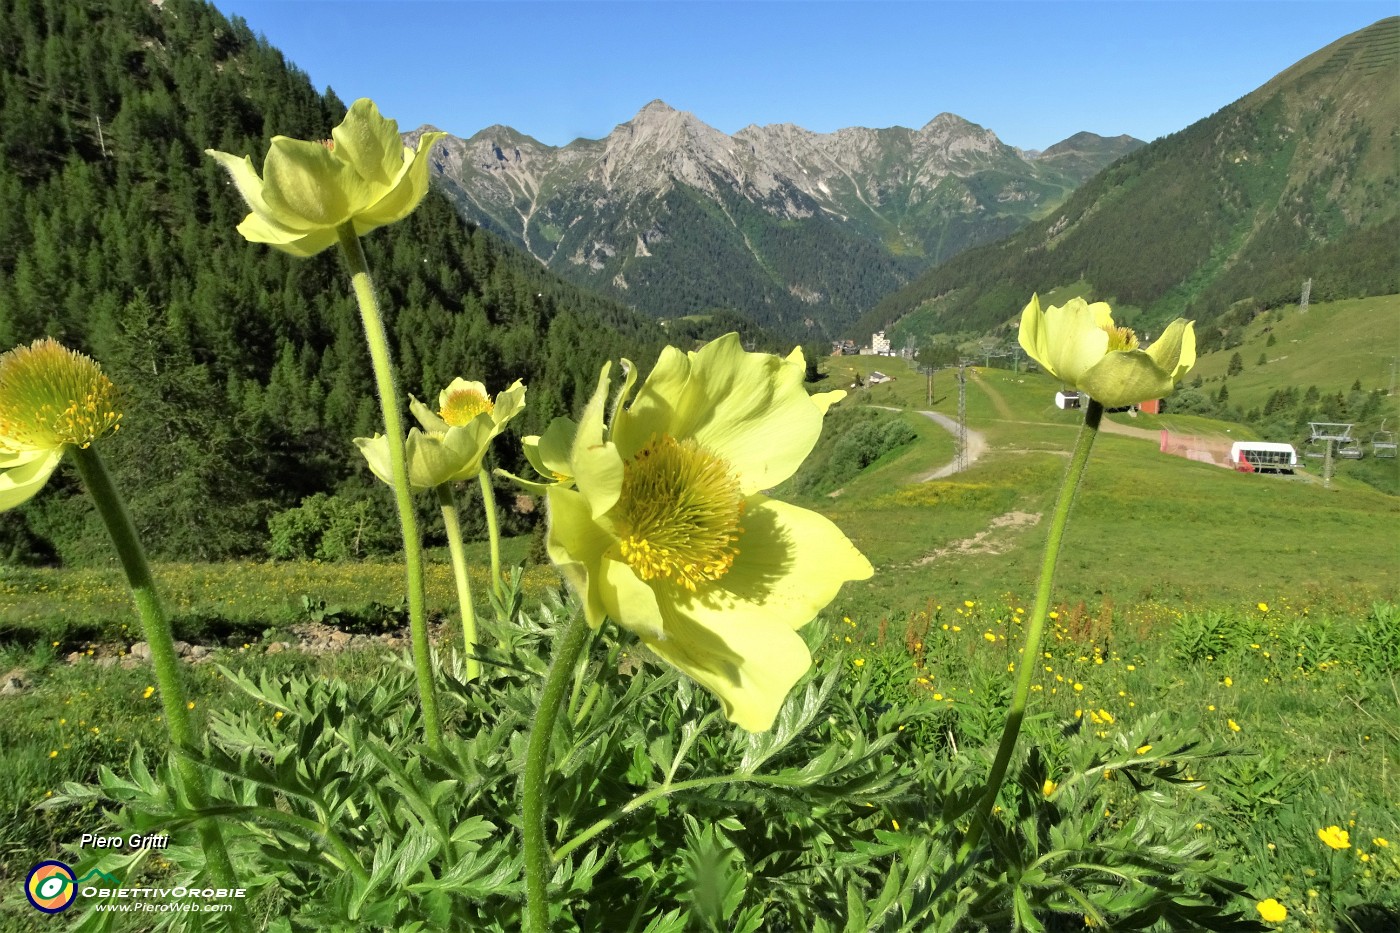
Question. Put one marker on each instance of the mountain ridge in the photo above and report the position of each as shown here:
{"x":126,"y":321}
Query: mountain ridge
{"x":801,"y":230}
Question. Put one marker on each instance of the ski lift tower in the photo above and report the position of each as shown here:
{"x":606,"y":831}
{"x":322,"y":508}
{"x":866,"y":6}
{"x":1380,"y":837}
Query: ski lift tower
{"x":1329,"y":433}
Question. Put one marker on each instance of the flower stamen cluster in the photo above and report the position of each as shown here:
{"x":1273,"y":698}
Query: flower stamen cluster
{"x":1121,"y":338}
{"x":51,"y":396}
{"x":681,"y":507}
{"x":460,"y":406}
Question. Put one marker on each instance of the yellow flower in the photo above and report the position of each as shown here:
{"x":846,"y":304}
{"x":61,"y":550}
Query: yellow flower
{"x":1144,"y":749}
{"x":454,"y":439}
{"x":1048,"y":787}
{"x":989,"y":636}
{"x":363,"y":175}
{"x":1272,"y":911}
{"x":1234,"y":726}
{"x":50,"y":397}
{"x":1381,"y":841}
{"x":1080,"y":345}
{"x":666,"y":531}
{"x":146,"y":694}
{"x":1335,"y":836}
{"x":1264,"y":607}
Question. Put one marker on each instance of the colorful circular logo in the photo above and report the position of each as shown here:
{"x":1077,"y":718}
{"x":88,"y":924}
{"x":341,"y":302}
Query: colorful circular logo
{"x":51,"y":887}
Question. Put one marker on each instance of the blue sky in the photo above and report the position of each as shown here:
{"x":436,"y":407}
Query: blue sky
{"x":1033,"y":71}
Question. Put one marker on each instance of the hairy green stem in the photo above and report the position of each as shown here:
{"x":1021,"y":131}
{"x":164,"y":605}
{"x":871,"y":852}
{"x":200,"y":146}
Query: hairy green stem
{"x":1035,"y":630}
{"x":378,"y":340}
{"x":164,"y":662}
{"x":535,"y":781}
{"x":493,"y":529}
{"x":459,"y":574}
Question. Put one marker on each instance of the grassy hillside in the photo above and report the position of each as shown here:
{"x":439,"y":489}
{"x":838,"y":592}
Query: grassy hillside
{"x":1331,"y":346}
{"x":1150,"y":531}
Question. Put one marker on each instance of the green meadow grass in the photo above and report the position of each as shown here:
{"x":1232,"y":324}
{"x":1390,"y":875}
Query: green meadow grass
{"x":1331,"y":346}
{"x":1234,"y":604}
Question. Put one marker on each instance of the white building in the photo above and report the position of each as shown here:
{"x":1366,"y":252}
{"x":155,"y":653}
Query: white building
{"x":880,"y":344}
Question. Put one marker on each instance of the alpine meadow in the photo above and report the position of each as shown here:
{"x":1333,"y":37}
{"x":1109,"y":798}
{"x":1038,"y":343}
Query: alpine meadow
{"x":883,"y":529}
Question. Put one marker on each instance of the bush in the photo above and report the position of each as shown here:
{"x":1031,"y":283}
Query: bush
{"x":327,"y":528}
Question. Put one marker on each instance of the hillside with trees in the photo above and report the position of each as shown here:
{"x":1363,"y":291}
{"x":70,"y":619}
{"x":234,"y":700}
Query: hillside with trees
{"x":1297,"y":181}
{"x":243,"y":371}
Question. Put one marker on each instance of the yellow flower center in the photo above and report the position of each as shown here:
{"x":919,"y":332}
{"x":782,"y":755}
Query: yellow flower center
{"x":681,"y":507}
{"x":51,"y":396}
{"x":1121,"y":338}
{"x":463,"y":405}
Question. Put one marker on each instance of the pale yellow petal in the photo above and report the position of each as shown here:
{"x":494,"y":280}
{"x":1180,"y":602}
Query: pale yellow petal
{"x":751,"y":668}
{"x":304,"y":183}
{"x":376,"y":453}
{"x":791,"y":563}
{"x":1074,"y":340}
{"x":370,"y":143}
{"x":1175,"y":350}
{"x":576,"y":545}
{"x":24,"y":473}
{"x":1125,"y":377}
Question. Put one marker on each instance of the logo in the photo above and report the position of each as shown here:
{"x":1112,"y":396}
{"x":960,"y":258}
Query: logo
{"x":51,"y":887}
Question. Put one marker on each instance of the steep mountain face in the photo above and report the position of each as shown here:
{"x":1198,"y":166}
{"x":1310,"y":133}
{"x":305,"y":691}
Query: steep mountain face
{"x":1298,"y":180}
{"x":800,"y":230}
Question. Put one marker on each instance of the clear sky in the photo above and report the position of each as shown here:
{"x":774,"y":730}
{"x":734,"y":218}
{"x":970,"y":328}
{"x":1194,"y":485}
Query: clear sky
{"x":1033,"y":71}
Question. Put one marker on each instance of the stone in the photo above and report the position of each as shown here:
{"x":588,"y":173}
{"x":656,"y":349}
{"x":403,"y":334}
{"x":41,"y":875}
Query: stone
{"x":15,"y":682}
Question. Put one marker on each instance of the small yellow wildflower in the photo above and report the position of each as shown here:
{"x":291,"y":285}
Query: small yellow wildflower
{"x":189,"y":705}
{"x":1234,"y":726}
{"x":1335,"y":836}
{"x":146,"y":694}
{"x":989,"y":636}
{"x":1272,"y":911}
{"x":1381,"y":841}
{"x":53,"y":754}
{"x":1263,"y":607}
{"x":1048,"y":787}
{"x":1144,"y":749}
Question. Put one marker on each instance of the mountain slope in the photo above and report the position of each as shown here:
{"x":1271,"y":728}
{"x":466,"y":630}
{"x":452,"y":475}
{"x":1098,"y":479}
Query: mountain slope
{"x":243,"y":371}
{"x":1296,"y":180}
{"x":800,"y":230}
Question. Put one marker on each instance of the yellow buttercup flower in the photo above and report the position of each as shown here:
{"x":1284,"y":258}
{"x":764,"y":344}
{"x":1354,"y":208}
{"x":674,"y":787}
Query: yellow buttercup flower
{"x":51,"y":397}
{"x":1272,"y":911}
{"x":363,"y":175}
{"x":454,"y":439}
{"x":663,"y":527}
{"x":1049,"y":787}
{"x":1080,"y":345}
{"x":1335,"y":836}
